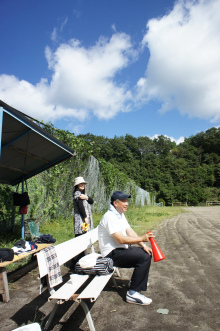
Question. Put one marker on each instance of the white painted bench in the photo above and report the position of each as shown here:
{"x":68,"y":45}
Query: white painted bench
{"x":68,"y":291}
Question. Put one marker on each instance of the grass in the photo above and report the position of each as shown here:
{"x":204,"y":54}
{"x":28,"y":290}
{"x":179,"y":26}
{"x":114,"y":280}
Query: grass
{"x":141,"y":219}
{"x":147,"y":218}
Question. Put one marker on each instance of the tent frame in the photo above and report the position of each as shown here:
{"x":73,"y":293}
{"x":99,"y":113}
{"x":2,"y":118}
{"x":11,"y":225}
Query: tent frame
{"x":45,"y":151}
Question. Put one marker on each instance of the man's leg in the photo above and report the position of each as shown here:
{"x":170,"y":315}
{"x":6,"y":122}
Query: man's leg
{"x":137,"y":258}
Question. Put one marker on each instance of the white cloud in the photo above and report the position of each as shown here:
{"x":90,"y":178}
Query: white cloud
{"x":54,"y":34}
{"x":180,"y":140}
{"x":86,"y":77}
{"x":33,"y":100}
{"x":114,"y":27}
{"x":83,"y":82}
{"x":177,"y":141}
{"x":184,"y":68}
{"x":56,"y":31}
{"x":63,"y":24}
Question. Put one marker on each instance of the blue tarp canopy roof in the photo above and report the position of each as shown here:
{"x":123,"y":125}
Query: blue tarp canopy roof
{"x":26,"y":148}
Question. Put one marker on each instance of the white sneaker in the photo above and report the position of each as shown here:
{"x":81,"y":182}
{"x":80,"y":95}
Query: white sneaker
{"x":138,"y":299}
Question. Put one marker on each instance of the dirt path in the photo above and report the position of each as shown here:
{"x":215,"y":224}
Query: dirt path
{"x":187,"y":283}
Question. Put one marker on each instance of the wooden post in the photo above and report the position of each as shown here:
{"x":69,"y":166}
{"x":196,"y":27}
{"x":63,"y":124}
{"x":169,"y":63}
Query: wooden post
{"x":4,"y":291}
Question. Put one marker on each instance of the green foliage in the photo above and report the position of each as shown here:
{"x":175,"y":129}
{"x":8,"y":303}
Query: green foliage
{"x":162,"y":200}
{"x":213,"y":193}
{"x":6,"y":208}
{"x":61,"y":229}
{"x":173,"y":172}
{"x":114,"y":179}
{"x":51,"y":191}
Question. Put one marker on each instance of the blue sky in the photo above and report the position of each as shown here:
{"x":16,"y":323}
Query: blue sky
{"x":112,"y":67}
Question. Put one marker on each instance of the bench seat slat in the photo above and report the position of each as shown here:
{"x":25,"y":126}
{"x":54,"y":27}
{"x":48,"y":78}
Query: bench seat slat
{"x":69,"y":288}
{"x":94,"y":288}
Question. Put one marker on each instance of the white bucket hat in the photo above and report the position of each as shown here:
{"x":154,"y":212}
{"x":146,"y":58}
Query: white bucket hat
{"x":79,"y":180}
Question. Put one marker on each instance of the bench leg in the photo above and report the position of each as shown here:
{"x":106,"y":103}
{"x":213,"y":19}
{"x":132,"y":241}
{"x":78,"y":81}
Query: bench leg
{"x":53,"y":312}
{"x":88,"y":315}
{"x":117,"y":272}
{"x":114,"y":281}
{"x":50,"y":289}
{"x":4,"y":290}
{"x":86,"y":311}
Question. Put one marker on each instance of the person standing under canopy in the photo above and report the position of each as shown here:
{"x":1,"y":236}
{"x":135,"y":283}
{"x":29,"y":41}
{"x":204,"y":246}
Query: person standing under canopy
{"x":83,"y":221}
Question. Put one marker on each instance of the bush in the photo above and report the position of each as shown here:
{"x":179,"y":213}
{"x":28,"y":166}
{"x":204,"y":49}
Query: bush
{"x":162,"y":200}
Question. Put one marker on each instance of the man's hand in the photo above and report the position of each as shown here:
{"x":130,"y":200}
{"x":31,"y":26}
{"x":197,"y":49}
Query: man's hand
{"x":147,"y":236}
{"x":148,"y":250}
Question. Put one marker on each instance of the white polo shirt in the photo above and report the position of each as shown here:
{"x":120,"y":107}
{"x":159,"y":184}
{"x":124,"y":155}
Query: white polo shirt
{"x":110,"y":223}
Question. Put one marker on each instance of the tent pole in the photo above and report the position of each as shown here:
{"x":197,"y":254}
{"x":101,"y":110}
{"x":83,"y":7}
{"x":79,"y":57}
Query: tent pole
{"x":1,"y":126}
{"x":22,"y":216}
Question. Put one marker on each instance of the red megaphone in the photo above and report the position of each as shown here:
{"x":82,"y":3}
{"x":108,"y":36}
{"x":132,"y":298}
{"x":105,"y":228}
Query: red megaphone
{"x":157,"y":254}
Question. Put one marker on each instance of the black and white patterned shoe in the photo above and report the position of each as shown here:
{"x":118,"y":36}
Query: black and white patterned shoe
{"x":138,"y":299}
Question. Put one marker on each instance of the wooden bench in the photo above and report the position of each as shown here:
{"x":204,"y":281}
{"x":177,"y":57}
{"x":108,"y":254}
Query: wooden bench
{"x":69,"y":290}
{"x":4,"y":290}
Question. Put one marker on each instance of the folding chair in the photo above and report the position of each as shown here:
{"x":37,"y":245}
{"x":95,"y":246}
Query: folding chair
{"x":33,"y":230}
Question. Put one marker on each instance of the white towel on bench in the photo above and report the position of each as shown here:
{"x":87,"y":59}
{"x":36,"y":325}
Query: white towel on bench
{"x":53,"y":266}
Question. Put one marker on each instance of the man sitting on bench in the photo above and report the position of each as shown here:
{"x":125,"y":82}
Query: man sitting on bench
{"x":115,"y":237}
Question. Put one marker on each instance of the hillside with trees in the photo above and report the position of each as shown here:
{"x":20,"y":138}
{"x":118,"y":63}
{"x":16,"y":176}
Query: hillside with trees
{"x":188,"y":172}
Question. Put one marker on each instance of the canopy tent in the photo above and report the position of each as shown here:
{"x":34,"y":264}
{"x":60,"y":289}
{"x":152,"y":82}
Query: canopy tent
{"x":26,"y":148}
